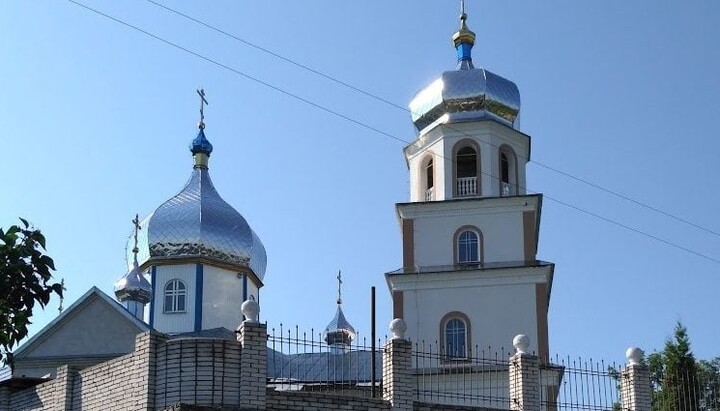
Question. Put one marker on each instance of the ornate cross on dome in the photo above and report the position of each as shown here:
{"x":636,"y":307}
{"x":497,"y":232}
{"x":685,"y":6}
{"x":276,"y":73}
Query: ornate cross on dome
{"x":136,"y":223}
{"x":203,"y":103}
{"x":62,"y":287}
{"x":339,"y":278}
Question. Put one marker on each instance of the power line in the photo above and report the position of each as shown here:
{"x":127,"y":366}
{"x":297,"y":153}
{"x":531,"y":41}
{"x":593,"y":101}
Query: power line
{"x":405,"y":109}
{"x":361,"y":124}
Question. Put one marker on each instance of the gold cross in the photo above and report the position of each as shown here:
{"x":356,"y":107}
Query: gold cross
{"x":203,"y":103}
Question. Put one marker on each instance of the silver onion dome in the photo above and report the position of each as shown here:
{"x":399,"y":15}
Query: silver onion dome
{"x":198,"y":224}
{"x":133,"y":286}
{"x":339,"y":332}
{"x":467,"y":93}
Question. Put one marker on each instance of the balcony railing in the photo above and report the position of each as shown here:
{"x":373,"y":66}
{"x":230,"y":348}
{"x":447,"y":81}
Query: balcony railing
{"x":467,"y":186}
{"x":430,"y":194}
{"x":507,"y":189}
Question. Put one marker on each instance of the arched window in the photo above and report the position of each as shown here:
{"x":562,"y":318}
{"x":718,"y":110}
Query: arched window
{"x":508,"y":172}
{"x":175,"y":293}
{"x":468,"y":247}
{"x":429,"y":181}
{"x":455,"y":335}
{"x":466,"y":171}
{"x":455,"y":339}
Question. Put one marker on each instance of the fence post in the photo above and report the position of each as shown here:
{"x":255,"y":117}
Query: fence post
{"x":636,"y":391}
{"x":253,"y":358}
{"x":397,"y":382}
{"x":64,"y":377}
{"x":524,"y":376}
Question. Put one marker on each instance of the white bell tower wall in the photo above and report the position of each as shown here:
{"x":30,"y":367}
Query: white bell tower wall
{"x":451,"y":178}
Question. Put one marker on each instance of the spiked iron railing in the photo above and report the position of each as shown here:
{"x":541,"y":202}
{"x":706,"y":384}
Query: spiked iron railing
{"x":304,"y":361}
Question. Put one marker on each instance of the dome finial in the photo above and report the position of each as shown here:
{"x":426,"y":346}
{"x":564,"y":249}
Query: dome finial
{"x":200,"y":146}
{"x":135,"y":250}
{"x":203,"y":103}
{"x":339,"y":278}
{"x":464,"y":39}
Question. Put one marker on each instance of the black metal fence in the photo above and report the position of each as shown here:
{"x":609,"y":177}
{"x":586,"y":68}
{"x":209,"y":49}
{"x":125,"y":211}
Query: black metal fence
{"x":579,"y":384}
{"x":477,"y":378}
{"x":687,"y":388}
{"x":304,"y":361}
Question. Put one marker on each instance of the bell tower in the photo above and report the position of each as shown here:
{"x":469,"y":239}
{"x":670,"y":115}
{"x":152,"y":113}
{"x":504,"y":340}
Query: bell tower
{"x":470,"y":276}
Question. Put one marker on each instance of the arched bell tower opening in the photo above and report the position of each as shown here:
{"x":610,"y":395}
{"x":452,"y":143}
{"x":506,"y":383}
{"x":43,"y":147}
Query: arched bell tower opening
{"x":427,"y":185}
{"x":466,"y":169}
{"x":508,"y":171}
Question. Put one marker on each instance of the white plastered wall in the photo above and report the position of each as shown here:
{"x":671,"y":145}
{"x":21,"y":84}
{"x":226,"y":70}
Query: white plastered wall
{"x":223,"y":296}
{"x":497,"y":313}
{"x":502,"y":233}
{"x":489,"y":136}
{"x":174,"y":322}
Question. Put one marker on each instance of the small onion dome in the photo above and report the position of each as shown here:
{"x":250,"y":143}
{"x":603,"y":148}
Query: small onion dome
{"x":201,"y":144}
{"x":339,"y":332}
{"x":198,"y":224}
{"x":133,"y":286}
{"x":466,"y":93}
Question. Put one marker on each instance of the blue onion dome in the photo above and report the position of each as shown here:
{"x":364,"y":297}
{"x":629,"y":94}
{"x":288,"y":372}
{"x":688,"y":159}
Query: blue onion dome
{"x":466,"y":93}
{"x":339,"y":331}
{"x":201,"y":144}
{"x":197,"y":225}
{"x":133,"y":286}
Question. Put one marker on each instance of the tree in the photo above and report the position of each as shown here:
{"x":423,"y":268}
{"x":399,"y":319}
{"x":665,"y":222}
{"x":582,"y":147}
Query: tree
{"x":674,"y":374}
{"x":709,"y":377}
{"x":25,"y":274}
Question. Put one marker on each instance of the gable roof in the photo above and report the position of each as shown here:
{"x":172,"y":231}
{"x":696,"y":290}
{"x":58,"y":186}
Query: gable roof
{"x":91,"y":296}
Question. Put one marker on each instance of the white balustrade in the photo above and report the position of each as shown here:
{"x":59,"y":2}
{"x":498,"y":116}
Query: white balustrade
{"x":467,"y":186}
{"x":430,"y":194}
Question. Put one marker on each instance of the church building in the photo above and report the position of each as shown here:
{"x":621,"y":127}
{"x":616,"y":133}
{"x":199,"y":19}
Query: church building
{"x":470,"y":277}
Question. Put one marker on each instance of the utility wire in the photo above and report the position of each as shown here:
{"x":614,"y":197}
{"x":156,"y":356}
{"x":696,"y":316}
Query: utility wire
{"x":366,"y":126}
{"x":405,"y":109}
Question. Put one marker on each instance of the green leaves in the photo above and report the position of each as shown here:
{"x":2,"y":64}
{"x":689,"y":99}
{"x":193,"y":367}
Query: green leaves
{"x":25,"y":273}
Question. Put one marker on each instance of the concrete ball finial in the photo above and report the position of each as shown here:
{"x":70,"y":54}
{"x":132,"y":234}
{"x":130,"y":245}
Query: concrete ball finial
{"x":398,"y":328}
{"x":634,"y":355}
{"x":521,"y":342}
{"x":251,"y":310}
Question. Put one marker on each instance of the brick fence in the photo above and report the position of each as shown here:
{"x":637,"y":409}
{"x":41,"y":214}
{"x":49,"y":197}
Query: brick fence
{"x":217,"y":374}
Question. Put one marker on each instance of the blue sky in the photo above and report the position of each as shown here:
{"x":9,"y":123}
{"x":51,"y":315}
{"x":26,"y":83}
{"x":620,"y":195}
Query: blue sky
{"x":97,"y":118}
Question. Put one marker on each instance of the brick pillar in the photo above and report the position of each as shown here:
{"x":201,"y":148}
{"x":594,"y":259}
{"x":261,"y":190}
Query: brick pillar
{"x":253,"y":365}
{"x":524,"y":377}
{"x":397,"y":380}
{"x":635,"y":388}
{"x":64,"y":379}
{"x":144,"y":358}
